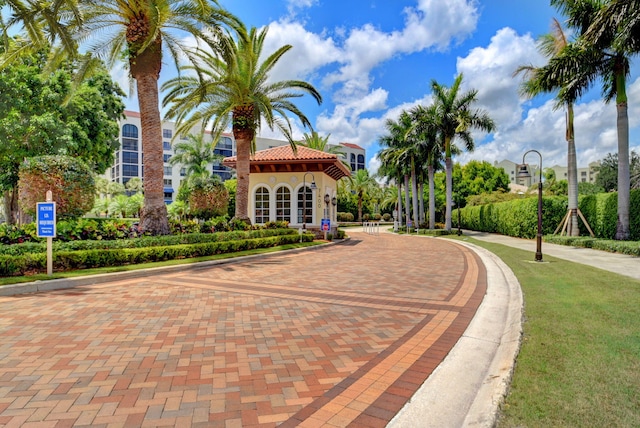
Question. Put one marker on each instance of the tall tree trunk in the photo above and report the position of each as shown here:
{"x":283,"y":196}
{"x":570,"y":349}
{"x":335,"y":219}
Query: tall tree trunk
{"x":449,"y":186}
{"x":414,"y":194}
{"x":11,"y":208}
{"x":421,"y":200}
{"x":572,"y":175}
{"x":243,"y":137}
{"x":622,"y":230}
{"x":406,"y":199}
{"x":145,"y":69}
{"x":399,"y":212}
{"x":432,"y":198}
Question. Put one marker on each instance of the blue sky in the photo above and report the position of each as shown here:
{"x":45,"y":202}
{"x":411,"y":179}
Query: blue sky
{"x":370,"y":59}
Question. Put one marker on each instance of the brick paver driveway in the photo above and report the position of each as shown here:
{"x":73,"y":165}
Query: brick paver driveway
{"x":343,"y":335}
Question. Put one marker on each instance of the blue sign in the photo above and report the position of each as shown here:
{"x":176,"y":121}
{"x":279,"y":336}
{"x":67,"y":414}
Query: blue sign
{"x":325,"y":225}
{"x":46,"y":219}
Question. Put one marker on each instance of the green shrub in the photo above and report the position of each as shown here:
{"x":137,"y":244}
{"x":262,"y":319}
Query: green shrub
{"x":346,"y":217}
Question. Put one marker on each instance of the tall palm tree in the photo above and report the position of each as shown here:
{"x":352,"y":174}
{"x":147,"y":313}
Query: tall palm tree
{"x":361,"y":184}
{"x":392,"y":170}
{"x":552,"y":45}
{"x":598,"y":56}
{"x":234,"y":88}
{"x":455,"y":118}
{"x":431,"y":149}
{"x":138,"y":32}
{"x":195,"y":154}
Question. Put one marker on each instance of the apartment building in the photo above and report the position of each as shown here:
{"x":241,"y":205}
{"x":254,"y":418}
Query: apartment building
{"x":128,"y":159}
{"x":585,"y":175}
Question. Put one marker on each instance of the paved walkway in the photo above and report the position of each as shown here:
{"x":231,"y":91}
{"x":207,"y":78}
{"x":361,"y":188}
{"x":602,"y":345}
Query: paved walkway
{"x":618,"y":263}
{"x":340,"y":336}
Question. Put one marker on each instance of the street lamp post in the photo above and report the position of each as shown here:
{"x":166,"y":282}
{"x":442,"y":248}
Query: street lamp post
{"x":523,"y":172}
{"x":304,"y":197}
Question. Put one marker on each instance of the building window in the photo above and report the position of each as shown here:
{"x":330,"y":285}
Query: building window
{"x":353,"y":162}
{"x":262,"y":205}
{"x":129,"y":131}
{"x":129,"y":144}
{"x":129,"y":157}
{"x":166,"y":145}
{"x":168,"y":197}
{"x":167,"y":182}
{"x":360,"y":162}
{"x":166,"y":133}
{"x":166,"y":157}
{"x":183,"y":172}
{"x":583,"y":173}
{"x":224,"y":143}
{"x":283,"y":204}
{"x":305,"y":205}
{"x":168,"y":170}
{"x":129,"y":170}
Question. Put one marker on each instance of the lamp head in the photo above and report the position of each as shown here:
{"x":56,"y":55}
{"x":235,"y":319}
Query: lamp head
{"x":327,"y":199}
{"x":523,"y":171}
{"x":313,"y":185}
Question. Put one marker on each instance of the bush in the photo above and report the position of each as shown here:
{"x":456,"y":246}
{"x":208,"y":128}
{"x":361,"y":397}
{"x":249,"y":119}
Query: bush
{"x":69,"y":179}
{"x":386,"y":217}
{"x":347,"y":217}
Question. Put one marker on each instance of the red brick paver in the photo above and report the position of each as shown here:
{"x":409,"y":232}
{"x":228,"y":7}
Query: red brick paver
{"x":340,"y":336}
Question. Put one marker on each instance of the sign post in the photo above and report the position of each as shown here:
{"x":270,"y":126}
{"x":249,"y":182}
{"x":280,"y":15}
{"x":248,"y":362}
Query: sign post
{"x":325,"y":226}
{"x":46,"y":224}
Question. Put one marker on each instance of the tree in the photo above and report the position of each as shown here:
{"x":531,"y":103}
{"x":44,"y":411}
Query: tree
{"x":195,"y":154}
{"x":233,"y":88}
{"x":601,"y":55}
{"x":314,"y":141}
{"x":361,"y":184}
{"x":134,"y":186}
{"x":552,"y":45}
{"x":607,"y":176}
{"x":41,"y":115}
{"x":136,"y":31}
{"x":455,"y":118}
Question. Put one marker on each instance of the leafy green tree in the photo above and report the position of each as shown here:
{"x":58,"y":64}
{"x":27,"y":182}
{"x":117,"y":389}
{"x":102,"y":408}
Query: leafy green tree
{"x":476,"y":178}
{"x":134,"y":186}
{"x":585,"y":188}
{"x":234,"y":89}
{"x":607,"y":177}
{"x":41,"y":115}
{"x":138,"y":32}
{"x":456,"y":118}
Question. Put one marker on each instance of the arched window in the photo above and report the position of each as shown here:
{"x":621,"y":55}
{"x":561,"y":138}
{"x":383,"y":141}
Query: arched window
{"x":283,"y":204}
{"x":353,"y":162}
{"x":305,"y":205}
{"x":129,"y":131}
{"x":360,"y":162}
{"x":262,"y":205}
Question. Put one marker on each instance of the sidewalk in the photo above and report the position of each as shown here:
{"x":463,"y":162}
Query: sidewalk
{"x":613,"y":262}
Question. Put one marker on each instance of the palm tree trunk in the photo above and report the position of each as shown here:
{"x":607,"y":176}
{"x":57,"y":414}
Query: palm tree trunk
{"x":421,"y":200}
{"x":432,"y":198}
{"x":449,"y":186}
{"x":406,"y":199}
{"x":399,"y":212}
{"x":243,"y":138}
{"x":154,"y":217}
{"x":572,"y":172}
{"x":622,"y":230}
{"x":414,"y":194}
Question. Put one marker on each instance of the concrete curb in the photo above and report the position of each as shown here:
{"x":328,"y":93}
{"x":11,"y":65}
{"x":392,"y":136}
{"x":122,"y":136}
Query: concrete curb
{"x":468,"y":387}
{"x":85,"y":281}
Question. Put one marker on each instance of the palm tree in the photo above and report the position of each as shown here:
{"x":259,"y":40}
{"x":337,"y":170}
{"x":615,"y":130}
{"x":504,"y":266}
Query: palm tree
{"x":431,"y":149}
{"x":361,"y":184}
{"x":598,"y":55}
{"x":455,"y":118}
{"x":134,"y":186}
{"x":552,"y":45}
{"x":137,"y":31}
{"x":195,"y":154}
{"x":313,"y":140}
{"x":392,"y":170}
{"x":233,"y":88}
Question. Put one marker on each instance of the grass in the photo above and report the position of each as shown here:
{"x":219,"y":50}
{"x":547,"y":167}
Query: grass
{"x":579,"y":364}
{"x":127,"y":268}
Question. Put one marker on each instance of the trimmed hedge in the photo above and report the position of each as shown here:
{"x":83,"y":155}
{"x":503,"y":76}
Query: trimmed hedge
{"x":94,"y":258}
{"x":519,"y":218}
{"x":145,"y":241}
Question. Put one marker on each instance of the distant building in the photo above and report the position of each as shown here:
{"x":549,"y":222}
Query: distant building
{"x":585,"y":175}
{"x":128,"y":158}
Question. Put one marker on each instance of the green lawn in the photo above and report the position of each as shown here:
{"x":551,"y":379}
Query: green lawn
{"x":579,"y":365}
